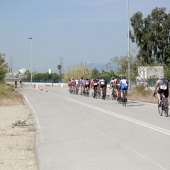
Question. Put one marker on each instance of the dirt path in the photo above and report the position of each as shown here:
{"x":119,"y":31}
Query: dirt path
{"x":17,"y":142}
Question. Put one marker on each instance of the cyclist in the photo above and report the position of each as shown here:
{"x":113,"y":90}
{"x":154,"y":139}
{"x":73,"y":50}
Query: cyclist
{"x":73,"y":84}
{"x":20,"y":82}
{"x":87,"y":84}
{"x":15,"y":84}
{"x":162,"y":87}
{"x":83,"y":84}
{"x":124,"y":86}
{"x":103,"y":86}
{"x":69,"y":85}
{"x":94,"y":85}
{"x":114,"y":84}
{"x":80,"y":84}
{"x":77,"y":85}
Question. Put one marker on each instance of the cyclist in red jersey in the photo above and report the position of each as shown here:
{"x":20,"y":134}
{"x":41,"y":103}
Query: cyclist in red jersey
{"x":73,"y":84}
{"x":87,"y":83}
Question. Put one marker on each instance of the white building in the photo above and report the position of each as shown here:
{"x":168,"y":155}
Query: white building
{"x":145,"y":73}
{"x":150,"y":72}
{"x":22,"y":71}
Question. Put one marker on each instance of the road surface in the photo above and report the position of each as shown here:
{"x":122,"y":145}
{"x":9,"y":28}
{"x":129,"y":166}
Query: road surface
{"x":75,"y":132}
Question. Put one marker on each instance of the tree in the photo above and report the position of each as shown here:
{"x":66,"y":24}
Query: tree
{"x":3,"y":68}
{"x":95,"y":73}
{"x":78,"y":71}
{"x":59,"y":69}
{"x":122,"y":63}
{"x":151,"y":34}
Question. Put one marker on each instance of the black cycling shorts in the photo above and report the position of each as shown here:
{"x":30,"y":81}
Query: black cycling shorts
{"x":87,"y":86}
{"x":165,"y":92}
{"x":102,"y":86}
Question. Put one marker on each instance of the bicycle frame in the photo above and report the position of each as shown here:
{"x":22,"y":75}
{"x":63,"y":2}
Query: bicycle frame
{"x":124,"y":98}
{"x":162,"y":107}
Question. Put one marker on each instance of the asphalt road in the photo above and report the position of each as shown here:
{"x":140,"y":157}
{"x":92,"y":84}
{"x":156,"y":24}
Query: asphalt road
{"x":75,"y":132}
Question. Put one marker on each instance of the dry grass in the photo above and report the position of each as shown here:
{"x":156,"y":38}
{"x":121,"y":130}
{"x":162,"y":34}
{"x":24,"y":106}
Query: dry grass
{"x":141,"y":94}
{"x":9,"y":96}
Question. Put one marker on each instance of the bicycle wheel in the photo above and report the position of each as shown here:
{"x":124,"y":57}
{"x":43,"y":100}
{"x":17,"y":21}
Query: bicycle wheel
{"x":104,"y":93}
{"x":160,"y":109}
{"x":114,"y":95}
{"x":166,"y":112}
{"x":125,"y":101}
{"x":87,"y":93}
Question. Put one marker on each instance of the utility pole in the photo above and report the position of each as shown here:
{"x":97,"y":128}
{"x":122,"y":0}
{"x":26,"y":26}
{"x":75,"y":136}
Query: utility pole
{"x":10,"y":69}
{"x":128,"y":45}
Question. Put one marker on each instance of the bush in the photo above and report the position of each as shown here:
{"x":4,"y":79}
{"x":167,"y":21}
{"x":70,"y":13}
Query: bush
{"x":9,"y":96}
{"x":141,"y":90}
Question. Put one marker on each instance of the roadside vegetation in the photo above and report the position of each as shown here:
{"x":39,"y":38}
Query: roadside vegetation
{"x":9,"y":96}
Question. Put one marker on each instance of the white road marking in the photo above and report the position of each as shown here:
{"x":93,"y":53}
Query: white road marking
{"x":167,"y":132}
{"x":147,"y":125}
{"x":34,"y":112}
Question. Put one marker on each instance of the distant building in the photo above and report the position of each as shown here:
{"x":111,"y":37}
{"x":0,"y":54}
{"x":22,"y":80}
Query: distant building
{"x":49,"y":71}
{"x":150,"y":72}
{"x":146,"y":73}
{"x":22,"y":71}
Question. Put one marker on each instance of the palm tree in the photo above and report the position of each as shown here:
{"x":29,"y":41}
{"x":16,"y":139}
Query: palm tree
{"x":59,"y":69}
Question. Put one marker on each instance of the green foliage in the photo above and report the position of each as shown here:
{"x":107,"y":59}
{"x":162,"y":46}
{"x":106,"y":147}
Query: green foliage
{"x":3,"y":68}
{"x":109,"y":75}
{"x":59,"y":67}
{"x":2,"y":93}
{"x":151,"y":34}
{"x":46,"y":76}
{"x":5,"y":90}
{"x":167,"y":72}
{"x":95,"y":73}
{"x":122,"y":63}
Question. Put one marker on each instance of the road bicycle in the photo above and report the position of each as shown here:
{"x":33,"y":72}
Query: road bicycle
{"x":77,"y":89}
{"x":86,"y":91}
{"x":114,"y":95}
{"x":103,"y":89}
{"x":71,"y":90}
{"x":97,"y":94}
{"x":124,"y":98}
{"x":162,"y":106}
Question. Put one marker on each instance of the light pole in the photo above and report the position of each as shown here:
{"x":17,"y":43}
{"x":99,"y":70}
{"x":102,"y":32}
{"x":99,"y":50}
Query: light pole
{"x":128,"y":45}
{"x":31,"y":60}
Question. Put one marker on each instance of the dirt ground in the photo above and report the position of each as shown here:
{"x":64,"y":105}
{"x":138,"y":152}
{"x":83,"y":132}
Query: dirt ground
{"x":17,"y":141}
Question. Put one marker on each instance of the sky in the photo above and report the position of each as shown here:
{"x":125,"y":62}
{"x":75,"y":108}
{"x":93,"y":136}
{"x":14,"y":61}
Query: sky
{"x":67,"y":32}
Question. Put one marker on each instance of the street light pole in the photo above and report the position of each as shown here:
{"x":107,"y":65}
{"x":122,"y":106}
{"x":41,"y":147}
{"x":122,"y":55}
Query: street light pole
{"x":31,"y":60}
{"x":128,"y":45}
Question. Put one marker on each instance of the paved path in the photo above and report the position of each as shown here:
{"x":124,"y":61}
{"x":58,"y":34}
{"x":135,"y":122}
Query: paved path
{"x":81,"y":133}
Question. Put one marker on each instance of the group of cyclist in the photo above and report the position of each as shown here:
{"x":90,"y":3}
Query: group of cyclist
{"x":98,"y":85}
{"x":16,"y":83}
{"x":118,"y":85}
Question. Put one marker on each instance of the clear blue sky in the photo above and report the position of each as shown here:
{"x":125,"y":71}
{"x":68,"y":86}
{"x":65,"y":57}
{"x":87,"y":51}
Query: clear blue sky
{"x":75,"y":30}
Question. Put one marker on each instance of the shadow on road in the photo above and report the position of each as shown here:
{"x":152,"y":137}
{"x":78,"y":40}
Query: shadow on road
{"x":133,"y":103}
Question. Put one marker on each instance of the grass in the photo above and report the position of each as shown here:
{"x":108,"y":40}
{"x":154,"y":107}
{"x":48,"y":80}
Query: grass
{"x":9,"y":96}
{"x":139,"y":93}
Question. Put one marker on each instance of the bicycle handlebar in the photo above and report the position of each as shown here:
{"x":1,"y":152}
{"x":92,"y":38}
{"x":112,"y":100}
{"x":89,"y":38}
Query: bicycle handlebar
{"x":154,"y":93}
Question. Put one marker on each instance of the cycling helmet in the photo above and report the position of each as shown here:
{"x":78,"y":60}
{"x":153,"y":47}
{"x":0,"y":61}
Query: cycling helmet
{"x":161,"y":77}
